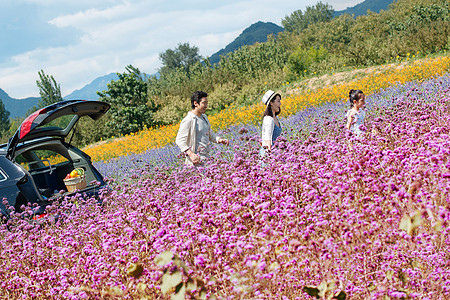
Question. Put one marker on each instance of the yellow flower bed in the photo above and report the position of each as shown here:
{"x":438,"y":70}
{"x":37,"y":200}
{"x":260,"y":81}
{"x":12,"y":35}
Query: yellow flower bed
{"x":159,"y":137}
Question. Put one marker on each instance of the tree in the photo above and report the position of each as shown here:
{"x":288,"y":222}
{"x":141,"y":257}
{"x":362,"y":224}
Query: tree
{"x":184,"y":56}
{"x":298,"y":21}
{"x":4,"y":119}
{"x":131,"y":108}
{"x":49,"y":90}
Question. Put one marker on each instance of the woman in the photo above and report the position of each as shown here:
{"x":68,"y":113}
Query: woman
{"x":271,"y":127}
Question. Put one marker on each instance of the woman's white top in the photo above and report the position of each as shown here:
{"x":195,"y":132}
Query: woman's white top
{"x":267,"y":128}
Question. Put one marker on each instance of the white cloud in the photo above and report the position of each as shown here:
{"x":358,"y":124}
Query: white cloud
{"x":114,"y":34}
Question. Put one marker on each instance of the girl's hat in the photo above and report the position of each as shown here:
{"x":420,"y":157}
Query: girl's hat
{"x":268,"y":96}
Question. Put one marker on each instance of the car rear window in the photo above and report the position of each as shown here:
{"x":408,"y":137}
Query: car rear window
{"x":61,"y":122}
{"x":39,"y":158}
{"x":2,"y":175}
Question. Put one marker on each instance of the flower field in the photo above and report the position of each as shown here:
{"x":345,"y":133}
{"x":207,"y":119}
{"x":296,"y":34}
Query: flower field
{"x":330,"y":215}
{"x":150,"y":138}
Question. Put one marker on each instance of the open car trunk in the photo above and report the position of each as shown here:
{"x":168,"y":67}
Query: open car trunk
{"x":37,"y":158}
{"x":49,"y":161}
{"x":38,"y":146}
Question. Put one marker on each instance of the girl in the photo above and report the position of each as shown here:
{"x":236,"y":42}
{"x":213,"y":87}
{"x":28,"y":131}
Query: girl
{"x":355,"y":116}
{"x":271,"y":127}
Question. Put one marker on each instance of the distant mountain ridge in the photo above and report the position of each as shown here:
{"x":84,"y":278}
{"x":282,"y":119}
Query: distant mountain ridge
{"x":256,"y":32}
{"x":17,"y":107}
{"x":361,"y":9}
{"x":89,"y":92}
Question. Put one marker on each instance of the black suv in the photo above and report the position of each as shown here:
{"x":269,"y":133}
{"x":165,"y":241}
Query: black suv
{"x":35,"y":161}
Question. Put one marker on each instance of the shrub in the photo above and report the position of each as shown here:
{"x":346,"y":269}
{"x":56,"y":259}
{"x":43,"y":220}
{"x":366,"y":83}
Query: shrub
{"x":172,"y":110}
{"x":301,"y":59}
{"x":222,"y":96}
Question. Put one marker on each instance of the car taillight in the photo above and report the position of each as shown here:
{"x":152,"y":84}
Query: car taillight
{"x":37,"y":217}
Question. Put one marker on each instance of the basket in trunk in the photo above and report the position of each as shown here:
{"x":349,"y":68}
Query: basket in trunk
{"x":76,"y":183}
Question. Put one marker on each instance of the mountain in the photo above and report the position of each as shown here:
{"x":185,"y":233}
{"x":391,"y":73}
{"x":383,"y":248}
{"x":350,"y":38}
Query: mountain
{"x":17,"y":107}
{"x":361,"y":9}
{"x":89,"y":92}
{"x":257,"y":32}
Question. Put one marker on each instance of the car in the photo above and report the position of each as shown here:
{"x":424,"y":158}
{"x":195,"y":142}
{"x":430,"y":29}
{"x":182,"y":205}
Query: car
{"x":36,"y":160}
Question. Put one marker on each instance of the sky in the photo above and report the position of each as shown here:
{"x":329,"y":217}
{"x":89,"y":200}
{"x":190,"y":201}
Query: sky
{"x":78,"y":41}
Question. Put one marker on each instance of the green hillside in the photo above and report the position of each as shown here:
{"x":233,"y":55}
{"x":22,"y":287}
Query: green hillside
{"x":257,"y":32}
{"x":362,"y":8}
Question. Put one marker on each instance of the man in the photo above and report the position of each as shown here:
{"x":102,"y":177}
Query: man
{"x":195,"y":134}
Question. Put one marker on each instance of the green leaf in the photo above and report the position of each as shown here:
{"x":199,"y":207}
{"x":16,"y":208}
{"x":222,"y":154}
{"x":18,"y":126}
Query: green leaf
{"x":312,"y":291}
{"x":331,"y":285}
{"x":170,"y":281}
{"x":410,"y":224}
{"x":438,"y":226}
{"x":135,"y":270}
{"x":389,"y":274}
{"x":190,"y":285}
{"x":341,"y":296}
{"x":180,"y":292}
{"x":164,"y":258}
{"x":402,"y":276}
{"x":406,"y":224}
{"x":115,"y":291}
{"x":416,"y":219}
{"x":322,"y":288}
{"x":141,"y":287}
{"x":178,"y":287}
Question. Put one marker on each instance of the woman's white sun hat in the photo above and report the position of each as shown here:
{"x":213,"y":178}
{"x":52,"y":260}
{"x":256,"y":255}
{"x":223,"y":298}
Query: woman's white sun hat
{"x":268,"y":96}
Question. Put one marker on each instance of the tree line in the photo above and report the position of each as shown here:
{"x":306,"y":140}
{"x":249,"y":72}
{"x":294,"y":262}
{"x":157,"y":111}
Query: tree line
{"x":313,"y":43}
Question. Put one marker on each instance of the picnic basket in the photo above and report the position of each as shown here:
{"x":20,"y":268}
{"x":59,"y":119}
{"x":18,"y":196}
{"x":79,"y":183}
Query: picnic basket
{"x":76,"y":183}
